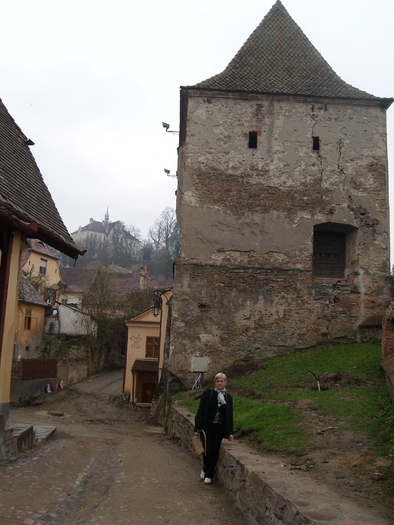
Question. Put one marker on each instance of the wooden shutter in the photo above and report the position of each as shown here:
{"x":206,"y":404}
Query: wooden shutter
{"x":329,"y":254}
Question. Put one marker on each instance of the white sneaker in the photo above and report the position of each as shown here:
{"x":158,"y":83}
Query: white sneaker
{"x":202,"y":475}
{"x":207,"y":481}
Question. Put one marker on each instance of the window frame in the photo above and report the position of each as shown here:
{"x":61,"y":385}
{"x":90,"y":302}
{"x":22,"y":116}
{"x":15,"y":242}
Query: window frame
{"x":28,"y":319}
{"x":152,"y":347}
{"x":43,"y":266}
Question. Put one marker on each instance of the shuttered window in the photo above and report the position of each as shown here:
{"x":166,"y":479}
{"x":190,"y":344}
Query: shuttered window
{"x":329,"y":253}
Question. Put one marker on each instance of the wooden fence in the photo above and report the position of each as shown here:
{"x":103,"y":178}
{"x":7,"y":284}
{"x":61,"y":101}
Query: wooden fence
{"x":31,"y":369}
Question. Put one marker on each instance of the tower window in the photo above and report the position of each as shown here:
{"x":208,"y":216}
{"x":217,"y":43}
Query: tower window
{"x":329,"y":253}
{"x":253,"y":139}
{"x":315,"y":143}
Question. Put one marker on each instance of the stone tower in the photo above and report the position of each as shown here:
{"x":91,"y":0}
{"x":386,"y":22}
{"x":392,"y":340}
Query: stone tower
{"x":282,"y":205}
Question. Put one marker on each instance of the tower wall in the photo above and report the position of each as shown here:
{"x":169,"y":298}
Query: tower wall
{"x":246,"y":283}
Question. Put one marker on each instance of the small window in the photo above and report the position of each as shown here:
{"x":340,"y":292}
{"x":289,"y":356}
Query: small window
{"x":253,"y":139}
{"x":329,"y":253}
{"x":152,"y":348}
{"x":27,"y":324}
{"x":43,"y":266}
{"x":315,"y":143}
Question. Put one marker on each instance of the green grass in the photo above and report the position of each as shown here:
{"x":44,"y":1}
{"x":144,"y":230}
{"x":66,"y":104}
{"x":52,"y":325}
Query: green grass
{"x":266,"y":411}
{"x":288,"y":371}
{"x":271,"y":427}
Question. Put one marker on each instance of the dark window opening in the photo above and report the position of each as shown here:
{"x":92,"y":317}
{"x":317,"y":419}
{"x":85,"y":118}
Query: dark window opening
{"x":152,"y":348}
{"x":253,"y":139}
{"x":27,"y":325}
{"x":316,"y":144}
{"x":329,"y":253}
{"x":43,"y":266}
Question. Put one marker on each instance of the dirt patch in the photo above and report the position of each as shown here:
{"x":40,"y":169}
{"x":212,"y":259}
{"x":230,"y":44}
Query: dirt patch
{"x":243,"y":368}
{"x":341,"y":380}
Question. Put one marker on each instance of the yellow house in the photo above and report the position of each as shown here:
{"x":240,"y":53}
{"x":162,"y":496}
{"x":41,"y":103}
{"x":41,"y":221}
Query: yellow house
{"x":42,"y":265}
{"x":145,"y":351}
{"x":30,"y":321}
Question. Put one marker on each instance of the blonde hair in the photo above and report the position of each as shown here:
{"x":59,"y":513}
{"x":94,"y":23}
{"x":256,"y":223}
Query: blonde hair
{"x":220,"y":375}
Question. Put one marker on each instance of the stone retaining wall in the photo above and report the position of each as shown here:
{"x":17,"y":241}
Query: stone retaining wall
{"x":259,"y":502}
{"x":268,"y":492}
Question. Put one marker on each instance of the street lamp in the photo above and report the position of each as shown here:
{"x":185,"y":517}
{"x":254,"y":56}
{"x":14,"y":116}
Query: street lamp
{"x":156,"y":306}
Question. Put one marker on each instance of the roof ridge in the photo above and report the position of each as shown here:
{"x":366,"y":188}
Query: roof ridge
{"x":278,"y":58}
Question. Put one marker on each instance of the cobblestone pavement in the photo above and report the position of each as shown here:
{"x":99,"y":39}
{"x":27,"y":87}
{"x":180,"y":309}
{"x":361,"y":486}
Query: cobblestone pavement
{"x":108,"y":463}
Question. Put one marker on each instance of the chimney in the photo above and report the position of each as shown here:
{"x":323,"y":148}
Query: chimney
{"x":143,"y":276}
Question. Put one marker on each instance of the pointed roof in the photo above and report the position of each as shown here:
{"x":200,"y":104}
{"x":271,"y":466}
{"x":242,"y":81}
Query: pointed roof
{"x":25,"y":201}
{"x":279,"y":59}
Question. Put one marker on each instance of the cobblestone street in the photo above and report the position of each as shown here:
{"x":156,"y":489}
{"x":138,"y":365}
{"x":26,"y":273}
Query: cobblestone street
{"x":107,"y":463}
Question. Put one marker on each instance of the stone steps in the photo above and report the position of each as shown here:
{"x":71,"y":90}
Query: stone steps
{"x":25,"y":436}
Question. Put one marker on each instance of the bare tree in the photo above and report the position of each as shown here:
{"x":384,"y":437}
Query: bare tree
{"x":135,"y":232}
{"x":162,"y":232}
{"x":162,"y":247}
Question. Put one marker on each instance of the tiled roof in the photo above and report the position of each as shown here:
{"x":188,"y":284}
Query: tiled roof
{"x":94,"y":226}
{"x":76,"y":279}
{"x":25,"y":201}
{"x":40,"y":247}
{"x":145,"y":365}
{"x":27,"y":293}
{"x":279,"y":59}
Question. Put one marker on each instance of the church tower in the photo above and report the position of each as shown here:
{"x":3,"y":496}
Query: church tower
{"x":282,"y":204}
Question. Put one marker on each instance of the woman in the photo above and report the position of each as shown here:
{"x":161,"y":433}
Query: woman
{"x":215,"y":417}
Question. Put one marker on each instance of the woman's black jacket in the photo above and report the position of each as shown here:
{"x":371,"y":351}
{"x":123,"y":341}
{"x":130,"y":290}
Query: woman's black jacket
{"x":207,"y":410}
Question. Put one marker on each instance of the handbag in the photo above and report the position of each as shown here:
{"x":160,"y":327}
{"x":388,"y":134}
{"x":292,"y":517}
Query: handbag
{"x":198,"y":445}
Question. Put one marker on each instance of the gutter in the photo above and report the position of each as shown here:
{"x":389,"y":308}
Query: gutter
{"x":32,"y":229}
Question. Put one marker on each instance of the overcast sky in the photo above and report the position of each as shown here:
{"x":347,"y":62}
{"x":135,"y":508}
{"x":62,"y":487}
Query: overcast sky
{"x":90,"y":82}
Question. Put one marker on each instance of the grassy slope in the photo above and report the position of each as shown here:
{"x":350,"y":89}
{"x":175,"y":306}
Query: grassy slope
{"x":265,"y":400}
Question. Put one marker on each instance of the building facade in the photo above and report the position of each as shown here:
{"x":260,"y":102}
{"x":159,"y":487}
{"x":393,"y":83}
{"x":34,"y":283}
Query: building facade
{"x":32,"y":310}
{"x":41,"y":266}
{"x":282,"y":204}
{"x":109,"y":240}
{"x":145,"y":351}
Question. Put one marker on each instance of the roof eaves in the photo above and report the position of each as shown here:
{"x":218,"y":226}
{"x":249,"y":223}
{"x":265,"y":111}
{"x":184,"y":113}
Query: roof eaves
{"x":382,"y":102}
{"x":34,"y":230}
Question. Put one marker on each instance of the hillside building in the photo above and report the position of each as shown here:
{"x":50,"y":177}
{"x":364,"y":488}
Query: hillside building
{"x":109,"y":240}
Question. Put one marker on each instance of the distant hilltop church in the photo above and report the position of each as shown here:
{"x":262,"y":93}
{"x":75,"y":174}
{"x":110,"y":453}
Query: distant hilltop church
{"x":282,"y":204}
{"x":109,"y":238}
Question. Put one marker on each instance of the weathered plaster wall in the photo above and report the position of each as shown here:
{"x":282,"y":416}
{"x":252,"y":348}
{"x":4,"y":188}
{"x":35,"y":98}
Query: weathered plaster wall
{"x":265,"y":201}
{"x":243,"y":283}
{"x":28,"y":342}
